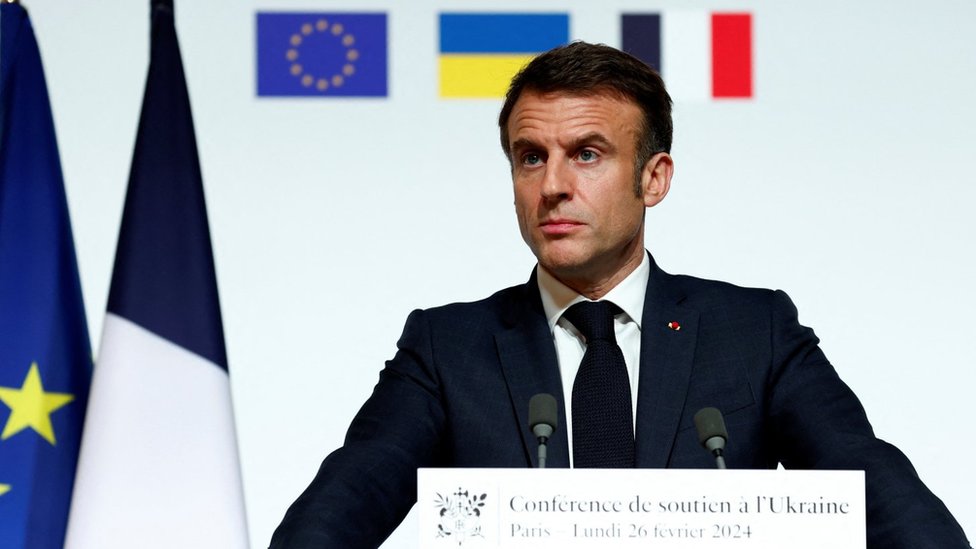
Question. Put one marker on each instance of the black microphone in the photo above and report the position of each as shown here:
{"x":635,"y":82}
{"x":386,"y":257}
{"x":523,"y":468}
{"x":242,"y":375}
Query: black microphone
{"x":543,"y":418}
{"x":711,"y":433}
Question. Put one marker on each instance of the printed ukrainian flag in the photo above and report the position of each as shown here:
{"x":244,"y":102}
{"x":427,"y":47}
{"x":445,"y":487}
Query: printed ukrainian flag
{"x":481,"y":52}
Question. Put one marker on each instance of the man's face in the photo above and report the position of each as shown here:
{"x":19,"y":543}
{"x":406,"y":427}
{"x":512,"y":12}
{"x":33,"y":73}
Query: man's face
{"x":573,"y":171}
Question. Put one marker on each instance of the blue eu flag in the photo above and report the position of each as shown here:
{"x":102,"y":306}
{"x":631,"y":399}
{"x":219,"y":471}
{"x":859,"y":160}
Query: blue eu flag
{"x":45,"y":355}
{"x":322,"y":54}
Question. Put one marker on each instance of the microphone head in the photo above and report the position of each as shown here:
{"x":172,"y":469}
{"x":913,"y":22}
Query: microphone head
{"x":710,"y":424}
{"x":543,"y":414}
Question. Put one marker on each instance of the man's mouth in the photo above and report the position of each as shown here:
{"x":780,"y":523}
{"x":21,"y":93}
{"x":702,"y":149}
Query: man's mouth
{"x":559,"y":225}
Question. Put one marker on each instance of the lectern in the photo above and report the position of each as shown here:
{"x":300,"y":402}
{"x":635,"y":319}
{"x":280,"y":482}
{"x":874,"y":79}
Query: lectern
{"x":646,"y":508}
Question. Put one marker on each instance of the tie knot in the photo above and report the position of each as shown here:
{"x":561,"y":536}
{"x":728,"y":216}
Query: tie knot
{"x":594,"y":319}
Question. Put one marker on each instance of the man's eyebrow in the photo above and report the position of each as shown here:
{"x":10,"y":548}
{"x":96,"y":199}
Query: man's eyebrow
{"x":522,"y":144}
{"x":592,"y":138}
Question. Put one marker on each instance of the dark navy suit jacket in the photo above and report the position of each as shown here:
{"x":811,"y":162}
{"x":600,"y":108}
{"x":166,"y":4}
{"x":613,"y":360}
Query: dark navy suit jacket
{"x":456,"y":395}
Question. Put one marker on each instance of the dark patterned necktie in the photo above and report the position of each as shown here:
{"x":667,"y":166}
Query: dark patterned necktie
{"x":603,"y":432}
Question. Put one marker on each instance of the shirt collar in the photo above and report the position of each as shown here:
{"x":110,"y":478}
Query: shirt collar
{"x":628,"y":295}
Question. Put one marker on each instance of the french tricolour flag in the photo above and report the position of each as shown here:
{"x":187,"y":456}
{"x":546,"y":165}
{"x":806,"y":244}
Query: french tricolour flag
{"x":158,"y":464}
{"x":700,"y":55}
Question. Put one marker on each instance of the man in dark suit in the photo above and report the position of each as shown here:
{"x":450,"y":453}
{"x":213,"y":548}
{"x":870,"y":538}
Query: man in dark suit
{"x":587,"y":130}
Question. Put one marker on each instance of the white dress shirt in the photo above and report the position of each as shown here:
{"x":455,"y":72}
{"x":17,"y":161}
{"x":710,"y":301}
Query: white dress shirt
{"x":570,"y":345}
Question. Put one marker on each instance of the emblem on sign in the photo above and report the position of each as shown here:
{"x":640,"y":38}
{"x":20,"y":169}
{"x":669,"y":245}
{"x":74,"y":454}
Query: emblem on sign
{"x":460,"y":515}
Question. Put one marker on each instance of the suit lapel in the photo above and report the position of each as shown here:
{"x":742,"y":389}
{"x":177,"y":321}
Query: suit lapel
{"x":667,"y":354}
{"x":528,"y":359}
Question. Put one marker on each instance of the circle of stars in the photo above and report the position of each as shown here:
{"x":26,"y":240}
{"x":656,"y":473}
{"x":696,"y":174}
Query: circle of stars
{"x":322,"y":82}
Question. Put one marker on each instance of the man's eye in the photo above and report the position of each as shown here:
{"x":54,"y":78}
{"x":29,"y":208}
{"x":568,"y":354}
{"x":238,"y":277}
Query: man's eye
{"x":531,"y":159}
{"x":587,"y":156}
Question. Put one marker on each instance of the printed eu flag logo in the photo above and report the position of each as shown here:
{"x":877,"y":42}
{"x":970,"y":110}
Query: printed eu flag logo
{"x":481,"y":52}
{"x":322,"y":54}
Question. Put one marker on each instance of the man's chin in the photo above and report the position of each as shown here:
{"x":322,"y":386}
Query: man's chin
{"x":564,"y":268}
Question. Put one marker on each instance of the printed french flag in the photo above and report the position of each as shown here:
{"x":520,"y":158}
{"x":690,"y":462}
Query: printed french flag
{"x":701,"y":55}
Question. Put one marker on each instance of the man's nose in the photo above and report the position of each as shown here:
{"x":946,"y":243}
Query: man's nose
{"x":557,"y":183}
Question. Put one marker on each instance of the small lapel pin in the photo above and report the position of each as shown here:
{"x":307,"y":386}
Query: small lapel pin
{"x":674,"y":325}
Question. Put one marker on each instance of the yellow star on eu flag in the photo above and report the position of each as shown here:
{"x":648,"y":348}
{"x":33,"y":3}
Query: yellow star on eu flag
{"x":31,"y":407}
{"x":4,"y":488}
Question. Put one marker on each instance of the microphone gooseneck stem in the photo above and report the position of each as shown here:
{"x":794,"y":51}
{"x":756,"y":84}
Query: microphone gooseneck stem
{"x":719,"y":459}
{"x":716,"y":446}
{"x":542,"y":452}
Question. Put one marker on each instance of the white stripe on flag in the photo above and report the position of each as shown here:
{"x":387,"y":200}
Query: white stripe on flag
{"x":159,"y":460}
{"x":686,"y":54}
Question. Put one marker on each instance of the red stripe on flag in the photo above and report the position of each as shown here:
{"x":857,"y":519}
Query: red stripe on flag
{"x":731,"y":55}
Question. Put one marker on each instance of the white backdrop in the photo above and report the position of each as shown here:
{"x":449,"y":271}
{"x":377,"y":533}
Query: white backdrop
{"x":846,"y":181}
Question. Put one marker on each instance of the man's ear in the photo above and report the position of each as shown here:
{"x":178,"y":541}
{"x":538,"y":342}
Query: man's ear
{"x":656,"y":178}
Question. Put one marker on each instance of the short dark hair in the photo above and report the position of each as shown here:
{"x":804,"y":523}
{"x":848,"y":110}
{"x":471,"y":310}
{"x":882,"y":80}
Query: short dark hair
{"x":587,"y":69}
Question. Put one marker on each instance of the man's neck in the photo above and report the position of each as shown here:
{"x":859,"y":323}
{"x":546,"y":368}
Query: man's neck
{"x":629,"y":294}
{"x":594,"y":289}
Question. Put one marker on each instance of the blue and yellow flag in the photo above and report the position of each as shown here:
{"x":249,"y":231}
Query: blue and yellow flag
{"x":45,"y":355}
{"x":481,"y":52}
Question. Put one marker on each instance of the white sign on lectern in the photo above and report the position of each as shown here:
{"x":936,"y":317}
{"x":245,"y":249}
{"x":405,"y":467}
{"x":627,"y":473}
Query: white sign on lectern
{"x":647,"y":508}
